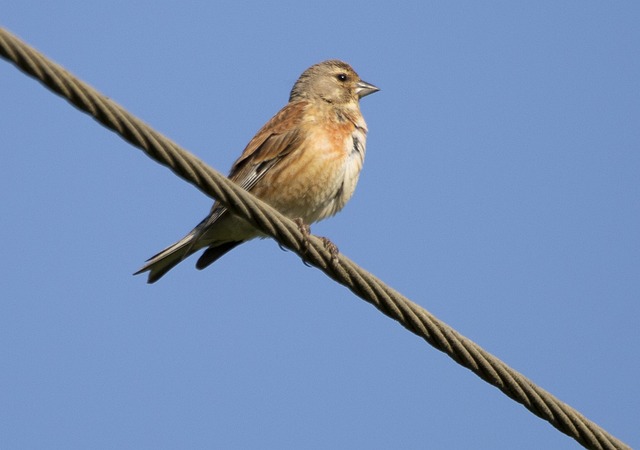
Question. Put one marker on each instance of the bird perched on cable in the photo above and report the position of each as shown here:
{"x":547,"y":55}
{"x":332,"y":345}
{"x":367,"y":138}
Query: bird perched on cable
{"x":304,"y":162}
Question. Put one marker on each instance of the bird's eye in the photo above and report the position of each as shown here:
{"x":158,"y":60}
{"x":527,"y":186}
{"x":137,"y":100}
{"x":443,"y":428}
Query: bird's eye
{"x":342,"y":76}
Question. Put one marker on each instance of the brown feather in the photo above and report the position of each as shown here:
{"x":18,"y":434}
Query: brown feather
{"x":272,"y":142}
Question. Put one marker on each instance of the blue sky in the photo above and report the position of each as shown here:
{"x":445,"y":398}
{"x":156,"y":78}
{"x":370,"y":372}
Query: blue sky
{"x":501,"y":191}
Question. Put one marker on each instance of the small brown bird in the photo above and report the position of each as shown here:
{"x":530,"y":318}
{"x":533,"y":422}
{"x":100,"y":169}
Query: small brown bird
{"x":304,"y":162}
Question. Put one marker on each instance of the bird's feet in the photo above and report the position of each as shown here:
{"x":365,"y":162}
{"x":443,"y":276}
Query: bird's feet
{"x":306,"y":232}
{"x":331,"y":248}
{"x":328,"y":245}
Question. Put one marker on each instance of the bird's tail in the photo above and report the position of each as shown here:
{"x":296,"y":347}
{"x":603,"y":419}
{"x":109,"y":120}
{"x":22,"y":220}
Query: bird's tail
{"x":168,"y":258}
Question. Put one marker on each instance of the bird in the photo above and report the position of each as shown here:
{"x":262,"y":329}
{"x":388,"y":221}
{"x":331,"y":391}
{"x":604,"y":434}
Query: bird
{"x":305,"y":162}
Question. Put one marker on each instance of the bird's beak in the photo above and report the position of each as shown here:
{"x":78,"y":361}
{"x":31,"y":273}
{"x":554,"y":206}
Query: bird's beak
{"x":363,"y":88}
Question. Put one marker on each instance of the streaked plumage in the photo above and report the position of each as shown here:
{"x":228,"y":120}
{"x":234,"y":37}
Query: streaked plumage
{"x":304,"y":162}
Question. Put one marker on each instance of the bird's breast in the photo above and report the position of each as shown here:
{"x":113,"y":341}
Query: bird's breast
{"x":317,"y":179}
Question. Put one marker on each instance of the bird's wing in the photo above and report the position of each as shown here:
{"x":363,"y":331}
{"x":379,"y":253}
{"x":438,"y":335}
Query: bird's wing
{"x":276,"y":139}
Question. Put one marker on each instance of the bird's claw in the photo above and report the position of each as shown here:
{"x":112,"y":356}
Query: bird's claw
{"x":331,"y":248}
{"x":306,"y":232}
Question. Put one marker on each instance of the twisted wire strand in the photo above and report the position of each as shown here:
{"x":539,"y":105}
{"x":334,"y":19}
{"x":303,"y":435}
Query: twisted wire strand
{"x":286,"y":233}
